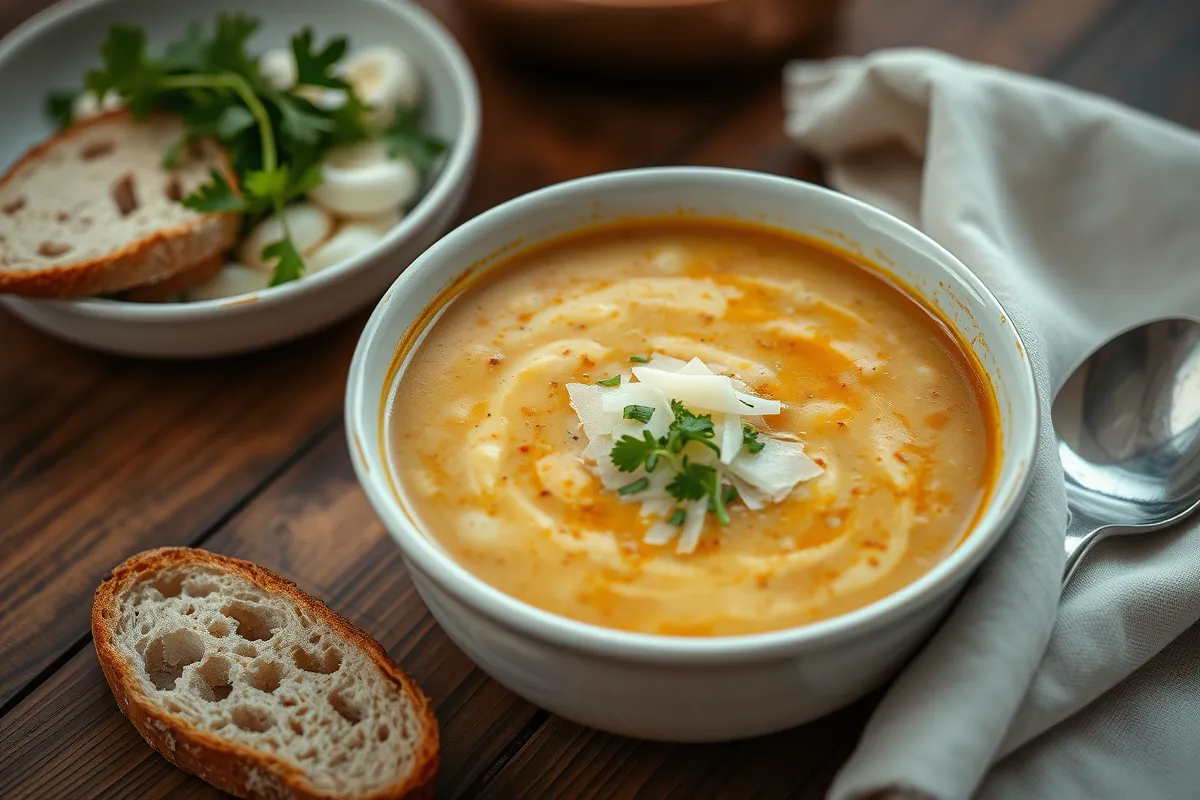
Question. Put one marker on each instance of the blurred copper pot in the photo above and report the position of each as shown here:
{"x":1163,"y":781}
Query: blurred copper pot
{"x":652,"y":35}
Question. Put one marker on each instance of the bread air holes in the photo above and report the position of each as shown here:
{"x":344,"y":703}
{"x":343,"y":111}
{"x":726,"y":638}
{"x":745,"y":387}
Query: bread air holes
{"x":199,"y":587}
{"x":14,"y":206}
{"x":265,"y":677}
{"x":124,"y":195}
{"x":167,"y":655}
{"x":324,"y":663}
{"x":172,"y":189}
{"x":219,"y":629}
{"x":169,"y":584}
{"x":254,"y":623}
{"x":252,"y":718}
{"x":383,"y":733}
{"x":345,"y":707}
{"x":247,"y":650}
{"x":212,"y":681}
{"x":53,"y":249}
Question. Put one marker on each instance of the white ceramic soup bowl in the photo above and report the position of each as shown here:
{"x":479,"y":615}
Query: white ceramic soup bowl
{"x":54,"y":49}
{"x":688,"y":688}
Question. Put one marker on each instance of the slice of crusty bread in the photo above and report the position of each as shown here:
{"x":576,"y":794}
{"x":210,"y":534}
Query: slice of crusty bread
{"x":234,"y":674}
{"x":167,"y":290}
{"x":92,"y":210}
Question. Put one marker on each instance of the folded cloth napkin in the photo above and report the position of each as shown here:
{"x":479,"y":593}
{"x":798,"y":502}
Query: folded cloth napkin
{"x":1083,"y":217}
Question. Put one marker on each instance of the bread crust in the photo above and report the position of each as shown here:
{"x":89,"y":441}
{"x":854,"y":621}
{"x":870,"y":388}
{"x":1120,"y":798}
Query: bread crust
{"x":235,"y":768}
{"x":151,"y":259}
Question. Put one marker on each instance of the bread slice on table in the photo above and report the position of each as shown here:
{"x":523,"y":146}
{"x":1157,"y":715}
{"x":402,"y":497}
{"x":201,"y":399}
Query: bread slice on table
{"x":234,"y":674}
{"x":93,"y":211}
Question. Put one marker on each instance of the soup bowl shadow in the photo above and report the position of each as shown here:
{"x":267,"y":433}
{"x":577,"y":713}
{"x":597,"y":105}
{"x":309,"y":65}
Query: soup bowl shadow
{"x":674,"y":688}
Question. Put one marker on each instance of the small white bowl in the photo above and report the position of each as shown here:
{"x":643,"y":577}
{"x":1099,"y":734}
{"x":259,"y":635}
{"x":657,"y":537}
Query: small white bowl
{"x":685,"y":688}
{"x":54,"y":49}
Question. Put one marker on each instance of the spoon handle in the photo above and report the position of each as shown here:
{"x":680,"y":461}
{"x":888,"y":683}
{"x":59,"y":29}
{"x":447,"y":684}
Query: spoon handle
{"x":1083,"y":531}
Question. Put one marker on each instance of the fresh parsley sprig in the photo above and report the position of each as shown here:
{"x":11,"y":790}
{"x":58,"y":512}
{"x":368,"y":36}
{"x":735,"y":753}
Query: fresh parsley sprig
{"x":692,"y":481}
{"x":275,"y":138}
{"x":750,"y":439}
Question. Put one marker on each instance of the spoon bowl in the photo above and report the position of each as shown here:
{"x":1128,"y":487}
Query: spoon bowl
{"x":1128,"y":427}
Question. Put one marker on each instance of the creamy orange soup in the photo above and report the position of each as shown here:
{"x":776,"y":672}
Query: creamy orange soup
{"x":490,"y":452}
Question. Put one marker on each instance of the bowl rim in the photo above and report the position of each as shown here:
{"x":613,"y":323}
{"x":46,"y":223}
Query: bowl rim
{"x":455,"y":169}
{"x":523,"y":618}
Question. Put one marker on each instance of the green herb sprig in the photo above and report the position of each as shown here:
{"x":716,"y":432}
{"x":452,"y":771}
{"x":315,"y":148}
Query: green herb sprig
{"x":692,"y":480}
{"x":275,"y":138}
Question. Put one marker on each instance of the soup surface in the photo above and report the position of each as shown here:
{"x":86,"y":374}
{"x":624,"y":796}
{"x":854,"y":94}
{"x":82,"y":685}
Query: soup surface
{"x":490,"y":452}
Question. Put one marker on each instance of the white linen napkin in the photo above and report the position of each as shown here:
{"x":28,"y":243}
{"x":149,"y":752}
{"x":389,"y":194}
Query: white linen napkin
{"x":1083,"y":217}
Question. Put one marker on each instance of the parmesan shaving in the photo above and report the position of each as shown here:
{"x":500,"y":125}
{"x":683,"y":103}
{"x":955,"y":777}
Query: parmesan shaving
{"x":759,"y":478}
{"x":731,"y":437}
{"x":776,"y":469}
{"x":693,"y":526}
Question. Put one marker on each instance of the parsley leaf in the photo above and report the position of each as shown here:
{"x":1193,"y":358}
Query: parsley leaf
{"x":750,"y":439}
{"x":315,"y":67}
{"x":189,"y":53}
{"x":639,"y":359}
{"x":403,"y":138}
{"x":60,"y":106}
{"x":290,"y":265}
{"x":215,"y":197}
{"x":227,"y":51}
{"x":698,"y":481}
{"x":300,"y":120}
{"x":641,"y":414}
{"x":677,"y":518}
{"x":689,"y":427}
{"x":629,"y":453}
{"x":232,"y":121}
{"x":633,"y":488}
{"x":693,"y":482}
{"x":615,"y":380}
{"x":124,"y":57}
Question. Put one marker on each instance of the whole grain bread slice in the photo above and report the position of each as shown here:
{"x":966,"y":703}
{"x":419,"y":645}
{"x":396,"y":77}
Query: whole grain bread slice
{"x":93,"y":211}
{"x":234,"y":674}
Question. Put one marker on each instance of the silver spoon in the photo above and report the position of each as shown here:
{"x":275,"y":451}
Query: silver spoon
{"x":1128,"y":427}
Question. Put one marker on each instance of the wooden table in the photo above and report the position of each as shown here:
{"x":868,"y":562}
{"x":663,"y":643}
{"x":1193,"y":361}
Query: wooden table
{"x":101,"y":457}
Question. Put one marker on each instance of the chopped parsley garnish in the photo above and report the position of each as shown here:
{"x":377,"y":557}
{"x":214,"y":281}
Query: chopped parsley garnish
{"x":697,"y":481}
{"x":750,"y":439}
{"x":615,"y":380}
{"x":635,"y":487}
{"x":689,"y":427}
{"x":629,"y":452}
{"x":640,"y":414}
{"x":639,"y":359}
{"x":677,"y":518}
{"x":692,"y":481}
{"x":728,"y":496}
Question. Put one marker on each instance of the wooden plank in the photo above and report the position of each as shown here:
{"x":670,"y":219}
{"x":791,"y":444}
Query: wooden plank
{"x":151,"y":454}
{"x":1026,"y":35}
{"x":567,"y":760}
{"x":106,"y":456}
{"x":314,"y":526}
{"x":1148,"y":57}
